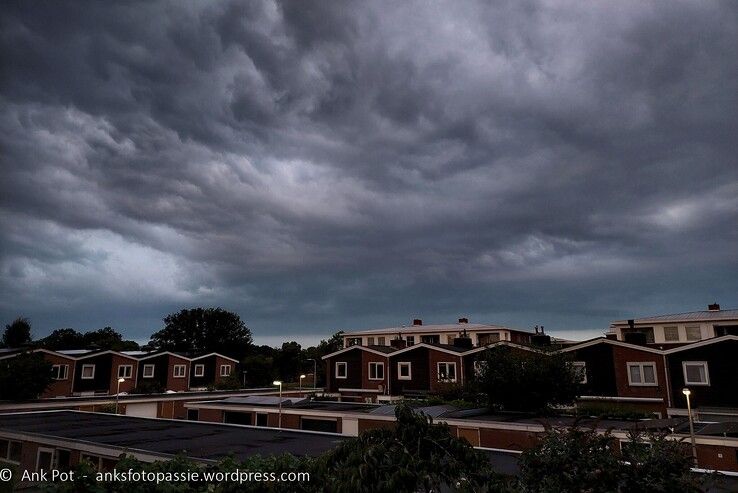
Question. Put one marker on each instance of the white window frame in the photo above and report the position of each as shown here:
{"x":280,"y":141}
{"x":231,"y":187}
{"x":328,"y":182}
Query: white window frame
{"x":448,"y":365}
{"x":678,"y":335}
{"x":228,"y":371}
{"x":175,"y":373}
{"x":82,"y":373}
{"x":376,"y":365}
{"x":52,"y":463}
{"x":582,"y":365}
{"x":410,"y":340}
{"x":60,"y":375}
{"x":370,"y":341}
{"x":147,"y":367}
{"x":686,"y":332}
{"x":409,"y":366}
{"x":7,"y":458}
{"x":344,"y":365}
{"x":696,"y":363}
{"x":381,"y":341}
{"x":129,"y":371}
{"x":199,"y":370}
{"x":641,"y":365}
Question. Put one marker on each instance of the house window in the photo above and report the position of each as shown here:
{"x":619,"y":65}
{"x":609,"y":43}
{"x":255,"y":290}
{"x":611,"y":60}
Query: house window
{"x":88,"y":372}
{"x":199,"y":370}
{"x":671,"y":334}
{"x":148,"y":371}
{"x":94,"y":460}
{"x":369,"y":341}
{"x":404,"y":370}
{"x":480,"y":366}
{"x":125,"y":371}
{"x":642,"y":374}
{"x":446,"y":372}
{"x":353,"y":341}
{"x":44,"y":459}
{"x":485,"y":339}
{"x":225,"y":370}
{"x":380,"y":341}
{"x":693,"y":333}
{"x":581,"y":368}
{"x":341,"y":369}
{"x":179,"y":371}
{"x":262,"y":419}
{"x":193,"y":415}
{"x":695,"y":373}
{"x":10,"y":451}
{"x":410,"y":340}
{"x":59,"y":372}
{"x":433,"y":339}
{"x":376,"y":371}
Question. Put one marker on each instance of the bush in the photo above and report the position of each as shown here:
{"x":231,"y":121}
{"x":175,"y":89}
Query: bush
{"x":228,"y":383}
{"x":148,"y":387}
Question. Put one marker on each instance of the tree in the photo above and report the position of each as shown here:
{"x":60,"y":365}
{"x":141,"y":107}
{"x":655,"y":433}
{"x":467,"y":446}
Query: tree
{"x":288,"y":361}
{"x":63,"y":339}
{"x":204,"y":330}
{"x":548,"y":379}
{"x":259,"y":370}
{"x":585,"y":460}
{"x":415,"y":455}
{"x":24,"y":376}
{"x":108,"y":338}
{"x":333,"y":344}
{"x":17,"y":333}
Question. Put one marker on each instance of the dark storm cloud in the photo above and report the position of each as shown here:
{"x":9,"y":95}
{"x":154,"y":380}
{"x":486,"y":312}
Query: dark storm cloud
{"x":319,"y":165}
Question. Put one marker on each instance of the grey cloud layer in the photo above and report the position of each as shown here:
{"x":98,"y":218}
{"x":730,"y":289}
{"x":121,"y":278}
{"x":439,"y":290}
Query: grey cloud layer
{"x":321,"y":165}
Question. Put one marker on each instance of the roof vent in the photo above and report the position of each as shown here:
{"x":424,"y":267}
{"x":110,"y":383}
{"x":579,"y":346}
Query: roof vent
{"x":417,"y":321}
{"x":714,"y":307}
{"x":464,"y":320}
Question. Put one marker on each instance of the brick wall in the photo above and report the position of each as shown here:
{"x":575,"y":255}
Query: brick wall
{"x":59,"y":388}
{"x":129,"y":383}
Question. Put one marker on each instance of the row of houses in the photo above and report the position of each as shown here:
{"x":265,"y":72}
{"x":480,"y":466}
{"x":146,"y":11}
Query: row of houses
{"x":89,"y":372}
{"x":644,"y":375}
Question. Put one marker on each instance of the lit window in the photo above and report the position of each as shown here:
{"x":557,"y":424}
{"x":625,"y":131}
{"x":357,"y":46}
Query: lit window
{"x":125,"y":371}
{"x":88,"y":372}
{"x":199,"y":370}
{"x":404,"y":370}
{"x":642,"y":374}
{"x":671,"y":334}
{"x":693,"y":333}
{"x":225,"y":370}
{"x":695,"y":373}
{"x":148,"y":371}
{"x":341,"y":370}
{"x":376,"y":371}
{"x":179,"y":371}
{"x":447,"y":372}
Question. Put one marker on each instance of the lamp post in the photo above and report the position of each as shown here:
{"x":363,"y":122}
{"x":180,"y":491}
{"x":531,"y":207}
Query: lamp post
{"x":279,"y":382}
{"x":687,"y":393}
{"x":117,"y":394}
{"x":301,"y":377}
{"x":315,"y":371}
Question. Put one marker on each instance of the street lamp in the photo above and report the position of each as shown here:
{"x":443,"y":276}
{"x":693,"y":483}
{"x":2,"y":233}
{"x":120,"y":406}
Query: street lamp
{"x":301,"y":377}
{"x":687,"y":393}
{"x":117,"y":394}
{"x":279,"y":382}
{"x":315,"y":371}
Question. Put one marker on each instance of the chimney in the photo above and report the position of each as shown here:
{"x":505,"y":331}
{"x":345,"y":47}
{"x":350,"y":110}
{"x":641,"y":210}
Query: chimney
{"x":631,"y":323}
{"x":463,"y":341}
{"x":417,"y":321}
{"x":398,"y":343}
{"x":714,"y":307}
{"x":464,"y":320}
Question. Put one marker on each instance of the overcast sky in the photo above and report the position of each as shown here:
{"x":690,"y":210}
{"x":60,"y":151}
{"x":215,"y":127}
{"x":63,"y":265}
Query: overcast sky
{"x":317,"y":166}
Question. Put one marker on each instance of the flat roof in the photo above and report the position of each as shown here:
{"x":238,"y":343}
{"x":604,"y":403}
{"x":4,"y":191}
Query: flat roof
{"x":420,"y":329}
{"x":197,"y":440}
{"x":698,"y":316}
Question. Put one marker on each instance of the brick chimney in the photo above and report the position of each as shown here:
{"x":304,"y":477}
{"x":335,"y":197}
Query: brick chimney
{"x":417,"y":321}
{"x":713,"y":307}
{"x":464,"y":320}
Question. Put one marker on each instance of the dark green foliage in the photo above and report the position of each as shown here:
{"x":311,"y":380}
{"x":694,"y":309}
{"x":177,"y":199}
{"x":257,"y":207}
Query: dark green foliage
{"x":228,"y":383}
{"x":17,"y":333}
{"x":63,"y":339}
{"x":259,"y":370}
{"x":516,"y":380}
{"x":107,"y":338}
{"x":289,"y":361}
{"x":24,"y":376}
{"x":148,"y":387}
{"x":204,"y":330}
{"x":415,"y":455}
{"x":584,"y":460}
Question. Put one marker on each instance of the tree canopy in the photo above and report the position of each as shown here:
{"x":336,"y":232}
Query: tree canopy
{"x":199,"y":330}
{"x":548,"y":379}
{"x":105,"y":338}
{"x":17,"y":333}
{"x":24,"y":376}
